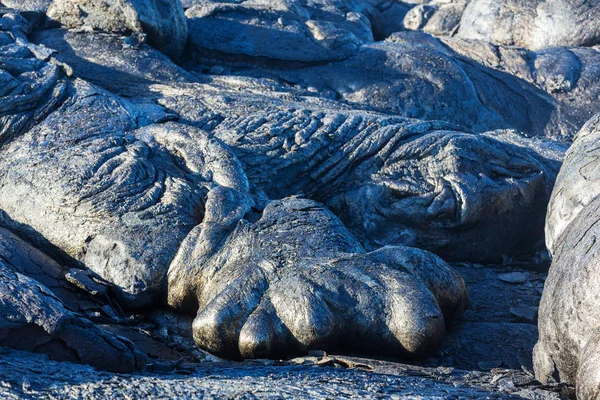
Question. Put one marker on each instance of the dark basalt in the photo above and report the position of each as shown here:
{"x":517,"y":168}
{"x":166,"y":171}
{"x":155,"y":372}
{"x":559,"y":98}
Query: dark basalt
{"x":578,"y":183}
{"x":162,"y":20}
{"x":568,"y":319}
{"x":33,"y":318}
{"x":297,"y":280}
{"x":290,"y":185}
{"x":363,"y":165}
{"x":534,"y":24}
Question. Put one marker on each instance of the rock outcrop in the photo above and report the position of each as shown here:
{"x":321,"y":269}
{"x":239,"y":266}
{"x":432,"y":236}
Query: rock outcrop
{"x":578,"y":183}
{"x":319,"y":31}
{"x":27,"y":5}
{"x":363,"y":165}
{"x":162,"y":20}
{"x":567,"y":350}
{"x":33,"y":318}
{"x":296,"y":280}
{"x":533,"y":24}
{"x":293,"y":180}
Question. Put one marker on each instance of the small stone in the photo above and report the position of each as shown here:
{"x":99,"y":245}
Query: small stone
{"x":165,"y":367}
{"x":216,"y":70}
{"x":317,"y":353}
{"x":161,"y":333}
{"x":506,"y":385}
{"x":135,"y":41}
{"x":82,"y":280}
{"x":524,"y":313}
{"x":188,"y":368}
{"x":514,"y":277}
{"x":445,"y":370}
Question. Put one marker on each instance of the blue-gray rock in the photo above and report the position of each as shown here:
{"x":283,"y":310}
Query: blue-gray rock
{"x":33,"y":318}
{"x":162,"y":20}
{"x":533,"y":24}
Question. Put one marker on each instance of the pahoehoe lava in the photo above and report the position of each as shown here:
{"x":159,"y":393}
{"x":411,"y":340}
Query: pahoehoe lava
{"x":244,"y":188}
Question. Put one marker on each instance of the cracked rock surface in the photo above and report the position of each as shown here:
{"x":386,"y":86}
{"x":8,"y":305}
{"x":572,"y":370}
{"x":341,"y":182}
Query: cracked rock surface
{"x":187,"y":180}
{"x":532,"y":24}
{"x":162,"y":20}
{"x":568,"y":345}
{"x":33,"y":318}
{"x":296,"y":280}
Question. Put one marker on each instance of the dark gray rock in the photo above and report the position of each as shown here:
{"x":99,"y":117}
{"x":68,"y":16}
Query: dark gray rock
{"x":27,"y":5}
{"x":130,"y":200}
{"x":524,"y":313}
{"x":33,"y":318}
{"x":315,"y":31}
{"x":113,"y":185}
{"x":439,"y":18}
{"x":359,"y":161}
{"x":514,"y":277}
{"x":110,"y":188}
{"x":476,"y":85}
{"x":297,"y":280}
{"x":28,"y":375}
{"x":568,"y":75}
{"x":25,"y":259}
{"x":532,"y":24}
{"x":568,"y":315}
{"x":578,"y":183}
{"x":91,"y":56}
{"x":123,"y":184}
{"x":162,"y":20}
{"x":388,"y":18}
{"x":403,"y":182}
{"x":490,"y":345}
{"x":495,"y":332}
{"x":31,"y":88}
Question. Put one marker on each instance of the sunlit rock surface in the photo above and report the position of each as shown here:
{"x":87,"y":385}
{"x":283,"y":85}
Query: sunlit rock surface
{"x":532,"y":24}
{"x":569,"y":320}
{"x":293,"y":177}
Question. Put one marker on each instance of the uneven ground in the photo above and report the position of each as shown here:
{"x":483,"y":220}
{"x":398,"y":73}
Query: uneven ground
{"x":487,"y":355}
{"x":240,"y":128}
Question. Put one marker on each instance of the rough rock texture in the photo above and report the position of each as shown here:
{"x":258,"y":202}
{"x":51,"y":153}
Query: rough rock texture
{"x":372,"y":161}
{"x":25,"y":259}
{"x":569,"y":317}
{"x":128,"y":201}
{"x":568,"y":75}
{"x":27,"y":375}
{"x":27,"y":5}
{"x":296,"y":280}
{"x":499,"y":330}
{"x":422,"y":184}
{"x":31,"y":88}
{"x":33,"y":318}
{"x":569,"y":320}
{"x":439,"y":18}
{"x":162,"y":20}
{"x":120,"y":198}
{"x":578,"y":183}
{"x":533,"y":24}
{"x":152,"y":182}
{"x":476,"y":85}
{"x":124,"y":189}
{"x":309,"y":32}
{"x":388,"y":18}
